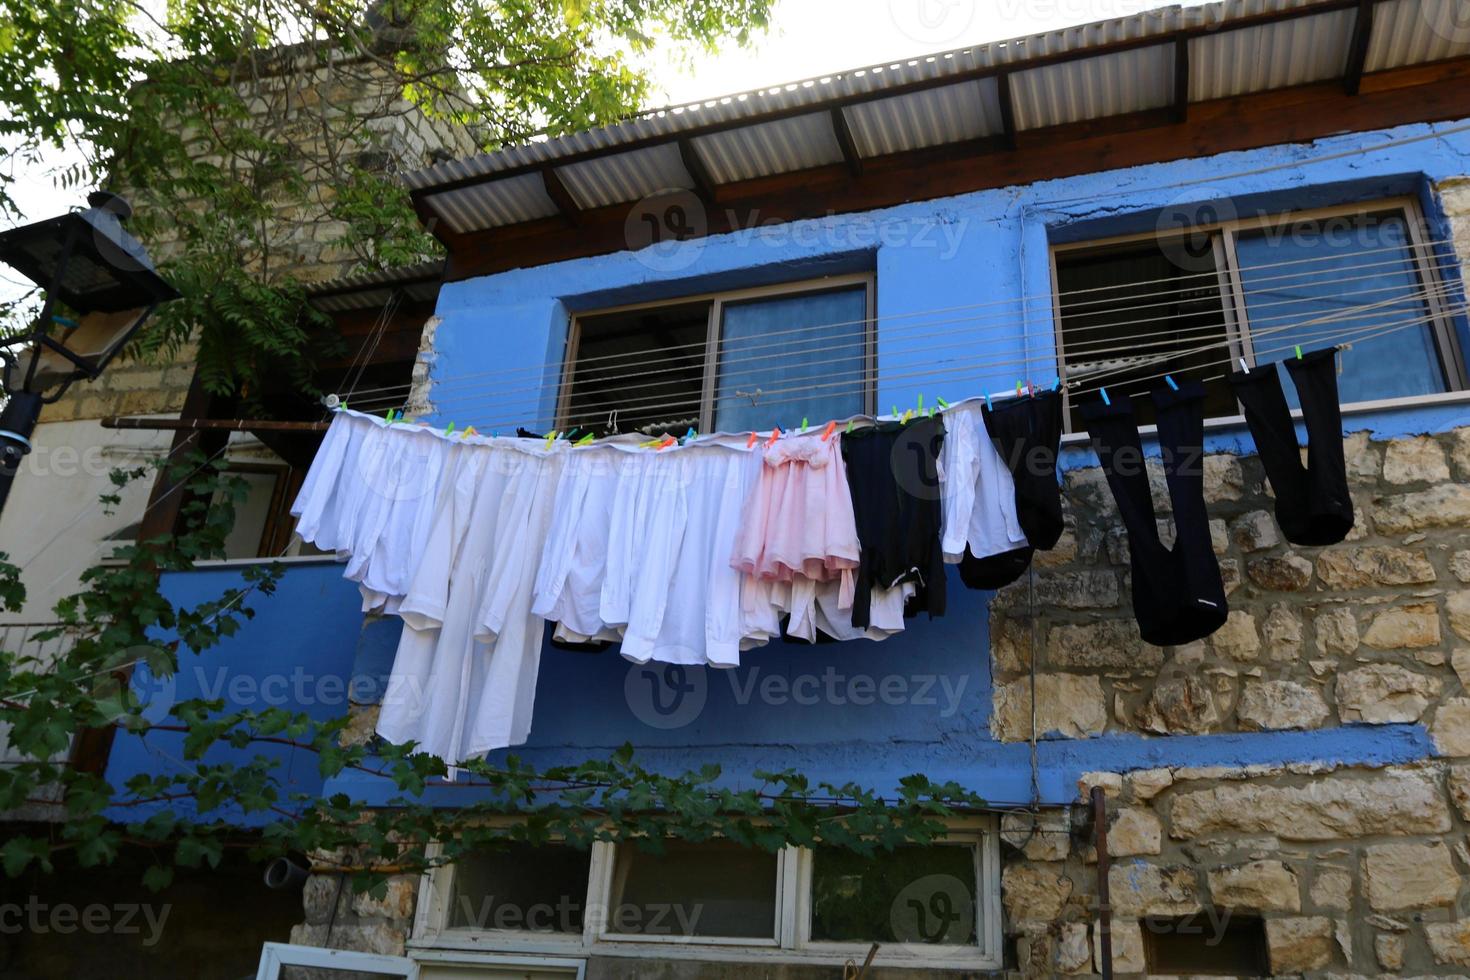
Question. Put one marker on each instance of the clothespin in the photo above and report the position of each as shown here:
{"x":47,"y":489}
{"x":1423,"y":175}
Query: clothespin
{"x":827,"y":432}
{"x":389,"y":416}
{"x":1018,"y":389}
{"x":690,"y":434}
{"x":987,"y":400}
{"x":1298,"y":352}
{"x":1243,"y":366}
{"x":803,"y":424}
{"x":749,"y":443}
{"x":648,"y":445}
{"x":849,"y":427}
{"x":942,"y":403}
{"x":551,"y":437}
{"x":906,"y":413}
{"x":775,"y":434}
{"x":585,"y":439}
{"x":449,"y":429}
{"x":1105,"y":398}
{"x":895,"y":411}
{"x":1056,"y":384}
{"x":921,"y":404}
{"x":668,"y":441}
{"x":1170,"y":379}
{"x":468,"y":431}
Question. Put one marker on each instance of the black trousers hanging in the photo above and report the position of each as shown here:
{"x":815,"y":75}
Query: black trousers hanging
{"x":1312,"y":503}
{"x":1026,"y":432}
{"x":1178,"y":596}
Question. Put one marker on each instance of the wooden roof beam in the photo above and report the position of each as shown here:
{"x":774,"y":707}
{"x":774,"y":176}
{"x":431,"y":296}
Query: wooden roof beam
{"x":1357,"y":58}
{"x":843,"y":132}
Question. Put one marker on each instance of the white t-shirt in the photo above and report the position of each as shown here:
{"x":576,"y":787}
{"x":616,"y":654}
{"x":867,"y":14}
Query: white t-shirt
{"x":978,"y":494}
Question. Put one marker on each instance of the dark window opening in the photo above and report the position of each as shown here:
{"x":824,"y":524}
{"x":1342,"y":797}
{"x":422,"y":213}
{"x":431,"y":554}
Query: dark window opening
{"x":1124,"y":309}
{"x":521,"y":887}
{"x":911,"y":894}
{"x":1214,"y":942}
{"x":716,"y":888}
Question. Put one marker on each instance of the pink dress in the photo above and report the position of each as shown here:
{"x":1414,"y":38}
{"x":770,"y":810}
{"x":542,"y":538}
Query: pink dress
{"x":798,"y":518}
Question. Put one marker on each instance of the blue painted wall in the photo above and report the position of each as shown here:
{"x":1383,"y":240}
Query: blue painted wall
{"x":920,"y":702}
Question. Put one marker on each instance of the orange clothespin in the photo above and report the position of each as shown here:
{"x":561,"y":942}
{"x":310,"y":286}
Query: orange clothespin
{"x":668,"y":441}
{"x":749,"y":443}
{"x":775,"y":434}
{"x":827,"y":432}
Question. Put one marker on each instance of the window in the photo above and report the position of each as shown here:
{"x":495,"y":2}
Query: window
{"x":928,"y":906}
{"x":1192,"y":305}
{"x":1204,"y":944}
{"x":727,"y":362}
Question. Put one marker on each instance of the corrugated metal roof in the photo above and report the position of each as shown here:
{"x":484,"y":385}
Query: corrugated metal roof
{"x":371,"y":290}
{"x":1235,"y":47}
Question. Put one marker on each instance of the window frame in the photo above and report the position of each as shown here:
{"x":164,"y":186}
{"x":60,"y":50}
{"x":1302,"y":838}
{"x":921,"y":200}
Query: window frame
{"x":1236,"y":315}
{"x":715,"y":325}
{"x":792,"y":933}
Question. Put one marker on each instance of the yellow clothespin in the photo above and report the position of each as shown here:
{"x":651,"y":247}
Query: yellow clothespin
{"x":585,"y":439}
{"x":648,"y":445}
{"x":552,"y":437}
{"x":468,"y":431}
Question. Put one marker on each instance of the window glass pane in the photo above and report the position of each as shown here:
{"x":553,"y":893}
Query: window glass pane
{"x":1338,"y":266}
{"x":792,"y":357}
{"x":908,"y":895}
{"x":709,"y":889}
{"x":1131,"y":313}
{"x":645,"y":365}
{"x":519,"y":886}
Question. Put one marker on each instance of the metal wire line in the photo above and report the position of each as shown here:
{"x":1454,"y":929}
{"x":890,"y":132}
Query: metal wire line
{"x":859,"y":346}
{"x":1046,"y":358}
{"x":1173,"y":289}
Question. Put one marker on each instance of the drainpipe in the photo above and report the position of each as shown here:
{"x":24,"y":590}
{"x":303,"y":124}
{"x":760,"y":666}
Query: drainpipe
{"x":1104,"y":907}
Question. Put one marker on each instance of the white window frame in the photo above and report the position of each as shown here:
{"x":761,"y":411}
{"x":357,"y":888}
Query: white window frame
{"x":1233,"y":305}
{"x":791,"y":942}
{"x":715,"y":325}
{"x":275,"y":956}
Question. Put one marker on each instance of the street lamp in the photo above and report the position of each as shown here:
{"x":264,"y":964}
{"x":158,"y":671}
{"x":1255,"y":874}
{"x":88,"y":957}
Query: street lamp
{"x":102,"y":277}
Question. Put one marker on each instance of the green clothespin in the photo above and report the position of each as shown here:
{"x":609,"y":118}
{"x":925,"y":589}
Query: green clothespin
{"x":585,"y":439}
{"x":921,"y":404}
{"x":942,"y":403}
{"x":389,"y":416}
{"x":449,"y":429}
{"x":1298,"y":352}
{"x":849,"y":427}
{"x":895,"y":411}
{"x":803,"y":423}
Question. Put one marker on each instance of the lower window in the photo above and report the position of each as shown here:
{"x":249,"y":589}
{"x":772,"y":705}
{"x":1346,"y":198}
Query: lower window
{"x":926,"y":906}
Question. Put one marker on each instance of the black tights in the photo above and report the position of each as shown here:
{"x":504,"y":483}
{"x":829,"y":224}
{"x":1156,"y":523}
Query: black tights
{"x":1178,"y":596}
{"x":1312,"y":503}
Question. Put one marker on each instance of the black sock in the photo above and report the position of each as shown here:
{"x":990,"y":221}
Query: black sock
{"x":1178,"y":596}
{"x":1027,"y":432}
{"x":995,"y":571}
{"x":1312,"y":504}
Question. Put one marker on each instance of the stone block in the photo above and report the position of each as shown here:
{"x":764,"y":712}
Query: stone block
{"x":1357,"y":568}
{"x":1388,"y":948}
{"x":1329,"y":807}
{"x":1128,"y":955}
{"x":1074,"y":952}
{"x":1447,"y":505}
{"x":1255,"y":531}
{"x":1364,"y":459}
{"x":1299,"y":944}
{"x":1404,"y":628}
{"x":1405,"y":875}
{"x":1033,"y":893}
{"x":1237,"y":639}
{"x":1384,"y":693}
{"x":1451,"y":727}
{"x":1457,"y":780}
{"x":1419,"y":459}
{"x":1259,"y":886}
{"x":1139,"y":889}
{"x":1224,"y":479}
{"x":1051,"y":840}
{"x":1280,"y":573}
{"x":1457,"y":608}
{"x":1134,"y":831}
{"x":1280,"y":704}
{"x":397,"y":901}
{"x":1110,"y":643}
{"x":1449,"y":942}
{"x":1337,"y":630}
{"x":1179,"y":703}
{"x":1148,"y":783}
{"x":1069,"y":704}
{"x":1460,"y":565}
{"x":1282,"y":633}
{"x":1332,"y":888}
{"x":1459,"y":441}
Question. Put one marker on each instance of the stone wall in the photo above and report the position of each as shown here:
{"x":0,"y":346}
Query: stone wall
{"x":1366,"y":631}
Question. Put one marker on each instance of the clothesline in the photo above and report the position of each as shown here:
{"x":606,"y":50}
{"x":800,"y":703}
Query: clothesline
{"x":646,"y":365}
{"x":965,"y":370}
{"x":1176,"y":284}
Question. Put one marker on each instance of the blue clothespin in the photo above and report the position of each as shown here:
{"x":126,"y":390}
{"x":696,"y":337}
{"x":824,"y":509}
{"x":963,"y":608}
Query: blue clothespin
{"x":1170,"y":379}
{"x":987,"y":400}
{"x":1105,"y":398}
{"x":1056,"y":383}
{"x":690,"y":434}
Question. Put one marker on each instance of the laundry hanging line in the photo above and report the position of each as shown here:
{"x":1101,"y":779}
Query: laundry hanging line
{"x":648,"y":364}
{"x":1210,"y":281}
